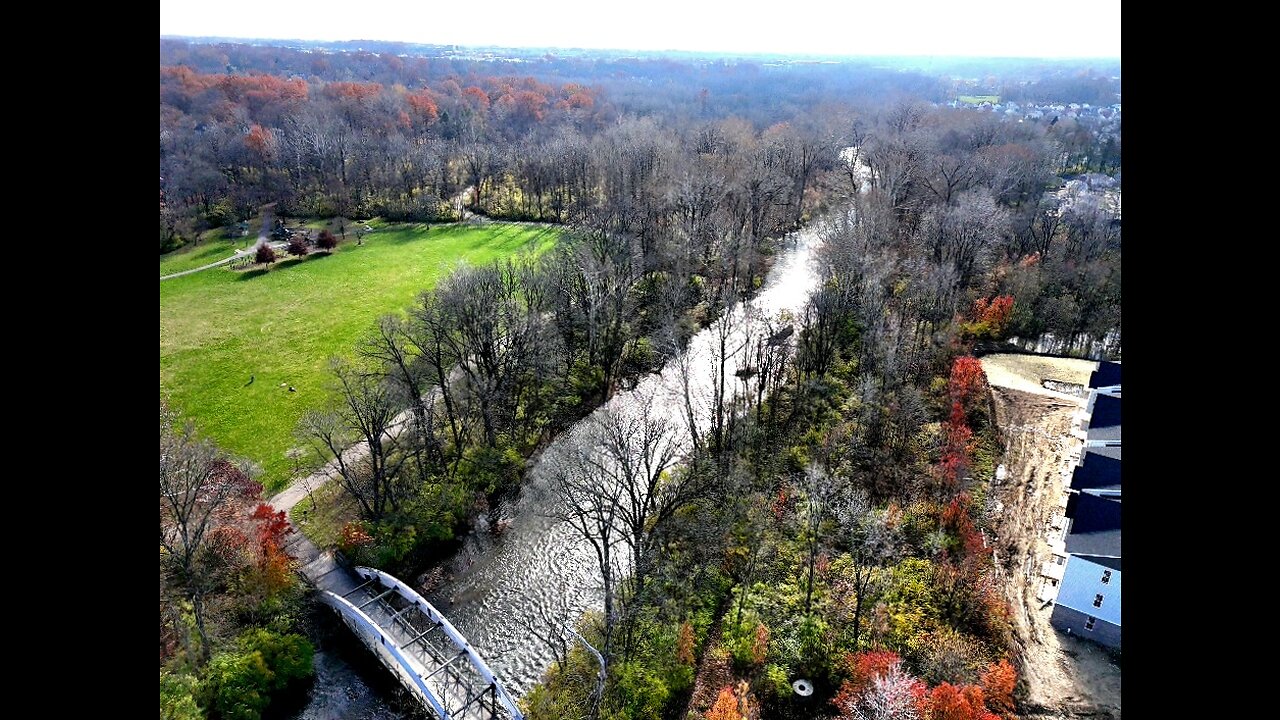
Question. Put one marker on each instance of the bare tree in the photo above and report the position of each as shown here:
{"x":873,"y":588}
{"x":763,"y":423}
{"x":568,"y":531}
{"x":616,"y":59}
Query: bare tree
{"x":589,"y":500}
{"x":946,"y":174}
{"x":772,"y":355}
{"x":612,"y":481}
{"x":197,"y":485}
{"x":962,"y":234}
{"x":870,"y":547}
{"x":820,"y":496}
{"x":493,"y":336}
{"x":730,"y":338}
{"x":359,"y":435}
{"x":391,"y":347}
{"x":640,"y":447}
{"x":603,"y":265}
{"x":684,"y":364}
{"x":431,"y":334}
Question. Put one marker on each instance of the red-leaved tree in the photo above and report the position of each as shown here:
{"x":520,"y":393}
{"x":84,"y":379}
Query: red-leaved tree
{"x":726,"y":707}
{"x":273,"y":562}
{"x":991,"y":317}
{"x":265,"y":254}
{"x":999,"y":681}
{"x":880,"y":690}
{"x":951,"y":702}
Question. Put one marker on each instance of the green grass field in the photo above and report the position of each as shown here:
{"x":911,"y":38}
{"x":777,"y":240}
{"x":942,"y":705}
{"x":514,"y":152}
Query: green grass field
{"x":979,"y":99}
{"x":220,"y":327}
{"x":208,"y":251}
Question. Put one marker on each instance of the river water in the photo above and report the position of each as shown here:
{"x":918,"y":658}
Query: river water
{"x":506,"y":588}
{"x":503,"y":590}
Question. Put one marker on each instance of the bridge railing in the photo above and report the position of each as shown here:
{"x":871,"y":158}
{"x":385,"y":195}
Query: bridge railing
{"x":456,"y":638}
{"x":371,"y":629}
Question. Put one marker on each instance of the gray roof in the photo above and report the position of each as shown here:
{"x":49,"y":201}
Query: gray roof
{"x":1112,"y":453}
{"x":1095,"y":525}
{"x":1099,"y":471}
{"x":1104,"y":424}
{"x":1111,"y":562}
{"x":1107,"y":374}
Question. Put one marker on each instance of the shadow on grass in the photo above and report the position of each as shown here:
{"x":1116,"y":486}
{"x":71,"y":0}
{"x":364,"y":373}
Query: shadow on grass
{"x":251,"y":274}
{"x":404,"y":233}
{"x":496,"y":232}
{"x":281,"y":266}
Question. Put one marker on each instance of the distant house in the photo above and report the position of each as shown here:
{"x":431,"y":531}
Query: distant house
{"x":1083,"y":575}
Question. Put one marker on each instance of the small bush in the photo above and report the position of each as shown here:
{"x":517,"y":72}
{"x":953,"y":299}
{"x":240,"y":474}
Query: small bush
{"x":177,"y":697}
{"x":236,"y":685}
{"x":239,"y":685}
{"x":327,"y":241}
{"x":746,"y":641}
{"x":776,"y":681}
{"x":297,"y":246}
{"x":636,"y":692}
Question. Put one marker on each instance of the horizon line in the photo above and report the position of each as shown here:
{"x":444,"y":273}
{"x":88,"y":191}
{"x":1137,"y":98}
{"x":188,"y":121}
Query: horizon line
{"x":721,"y":53}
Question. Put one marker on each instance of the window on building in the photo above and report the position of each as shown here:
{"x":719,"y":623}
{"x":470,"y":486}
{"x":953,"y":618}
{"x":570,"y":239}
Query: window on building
{"x":1060,"y":560}
{"x":1097,"y":601}
{"x":1088,"y":624}
{"x":1106,"y":577}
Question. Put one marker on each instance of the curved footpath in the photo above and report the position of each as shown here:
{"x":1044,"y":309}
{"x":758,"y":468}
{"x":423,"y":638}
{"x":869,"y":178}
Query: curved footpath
{"x":234,"y":256}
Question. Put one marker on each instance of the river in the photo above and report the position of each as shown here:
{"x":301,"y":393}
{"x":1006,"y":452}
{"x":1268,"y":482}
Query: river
{"x":538,"y":570}
{"x":502,"y":590}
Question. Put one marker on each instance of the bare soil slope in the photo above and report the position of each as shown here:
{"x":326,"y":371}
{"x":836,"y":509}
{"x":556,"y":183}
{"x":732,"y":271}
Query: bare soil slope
{"x":1065,"y":677}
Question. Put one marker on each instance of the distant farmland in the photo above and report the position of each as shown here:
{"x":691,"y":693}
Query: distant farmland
{"x":219,"y":328}
{"x":978,"y":99}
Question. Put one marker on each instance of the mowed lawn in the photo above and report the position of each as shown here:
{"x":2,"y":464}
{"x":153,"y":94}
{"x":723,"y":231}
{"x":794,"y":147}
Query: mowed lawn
{"x":219,"y":328}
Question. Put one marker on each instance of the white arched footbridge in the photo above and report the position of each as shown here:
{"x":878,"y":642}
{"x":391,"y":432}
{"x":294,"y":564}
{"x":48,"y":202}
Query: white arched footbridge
{"x":431,"y":658}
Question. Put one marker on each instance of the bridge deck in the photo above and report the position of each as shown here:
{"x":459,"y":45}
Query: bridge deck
{"x":410,"y":636}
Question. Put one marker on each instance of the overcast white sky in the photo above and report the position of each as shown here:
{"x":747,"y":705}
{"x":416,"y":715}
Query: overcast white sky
{"x":1036,"y":28}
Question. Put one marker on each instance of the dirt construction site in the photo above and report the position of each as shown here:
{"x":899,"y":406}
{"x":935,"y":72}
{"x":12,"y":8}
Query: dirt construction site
{"x":1036,"y":401}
